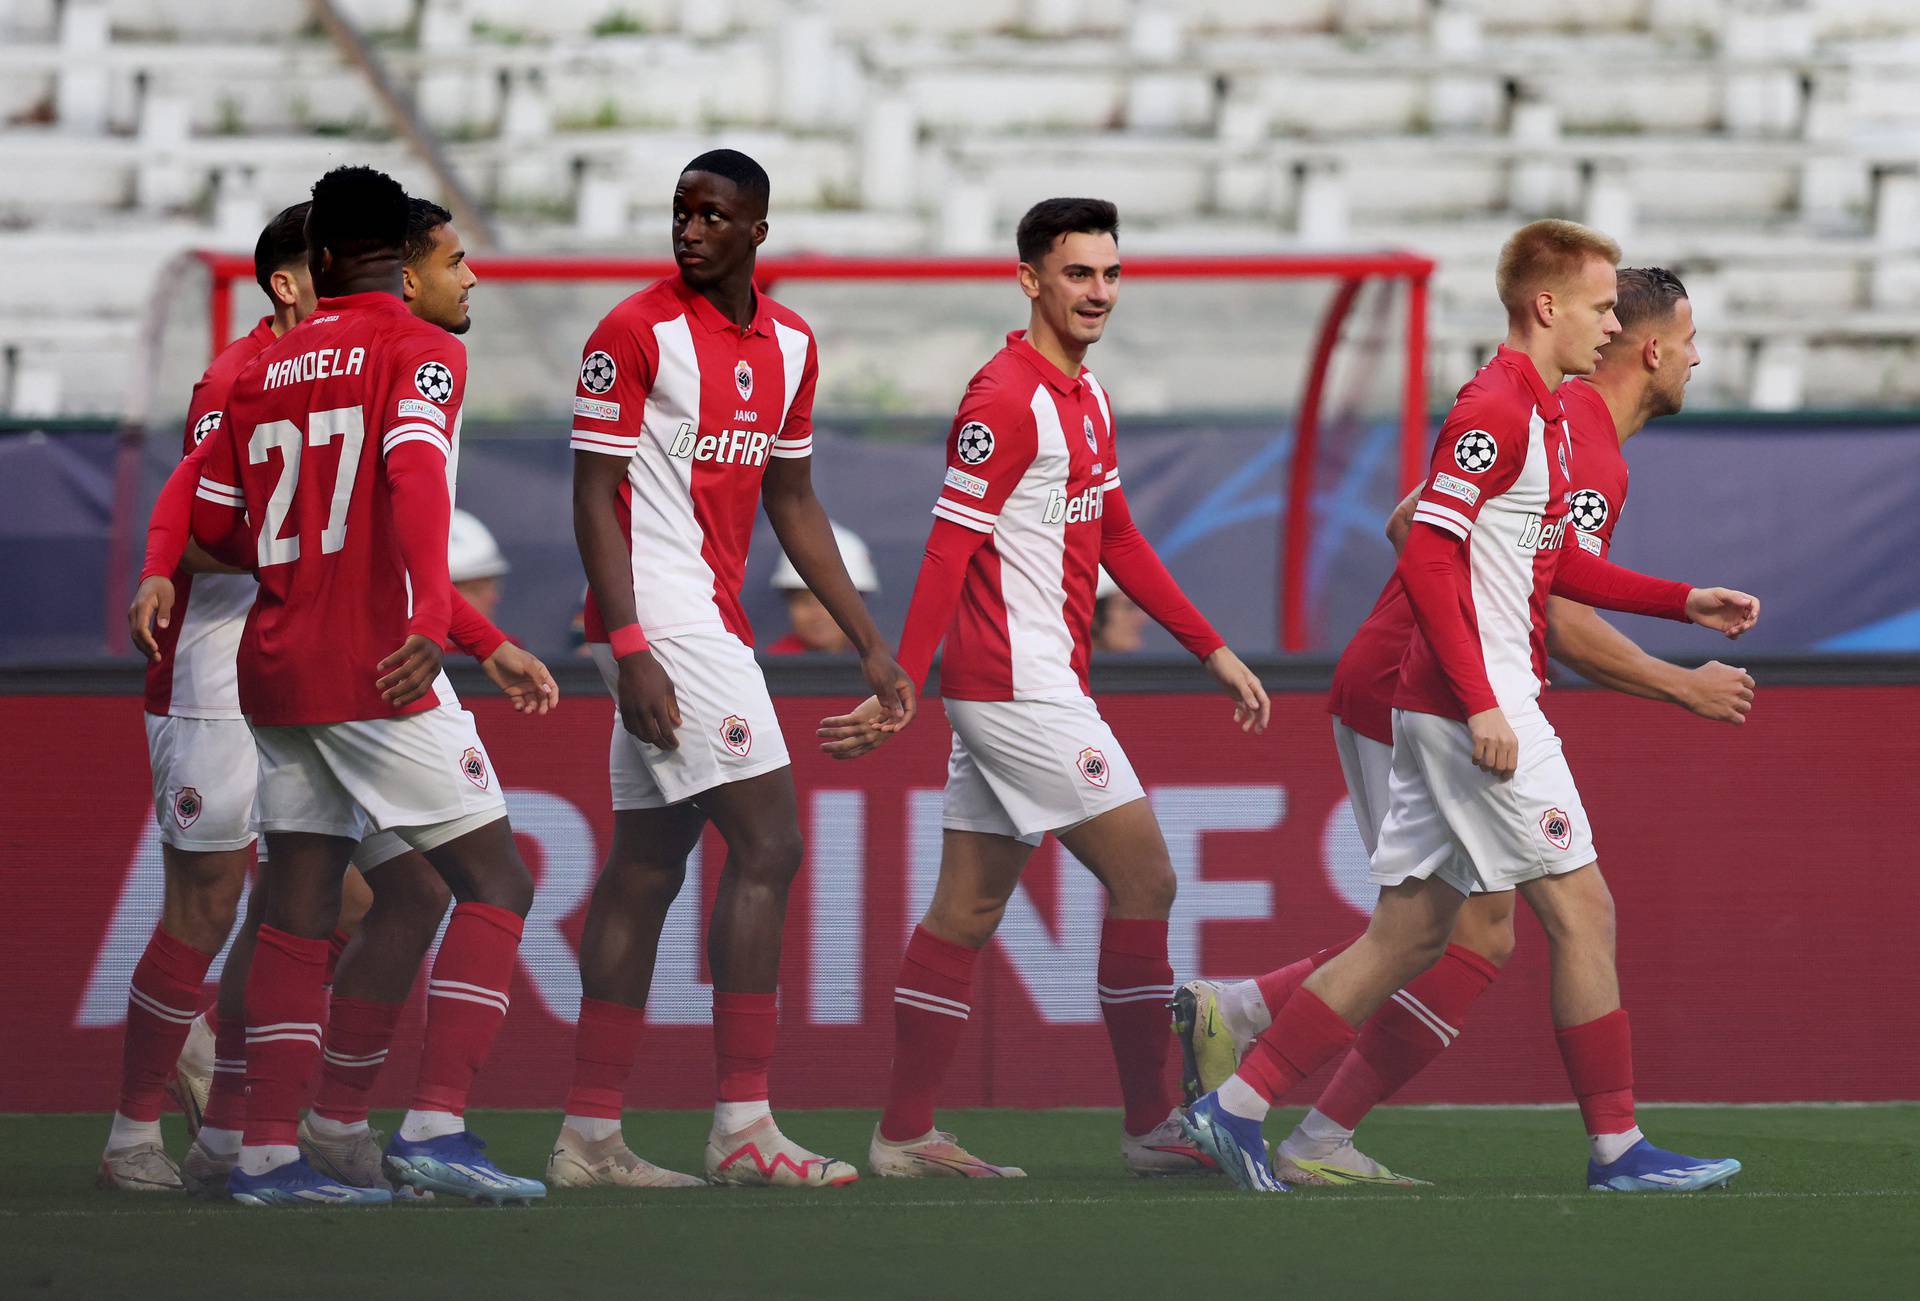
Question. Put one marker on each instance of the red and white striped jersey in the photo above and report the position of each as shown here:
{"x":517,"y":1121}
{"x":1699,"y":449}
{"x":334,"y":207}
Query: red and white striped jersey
{"x":696,"y":405}
{"x":1500,"y":479}
{"x":195,"y":676}
{"x":1030,"y":458}
{"x":319,"y":428}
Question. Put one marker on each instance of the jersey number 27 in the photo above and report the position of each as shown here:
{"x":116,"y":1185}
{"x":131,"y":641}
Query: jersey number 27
{"x":345,"y":423}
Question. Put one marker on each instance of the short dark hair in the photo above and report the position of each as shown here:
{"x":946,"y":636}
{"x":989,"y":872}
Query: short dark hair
{"x":735,"y":166}
{"x":357,"y":210}
{"x":1049,"y":219}
{"x":1646,"y":296}
{"x":281,"y":245}
{"x":424,"y":216}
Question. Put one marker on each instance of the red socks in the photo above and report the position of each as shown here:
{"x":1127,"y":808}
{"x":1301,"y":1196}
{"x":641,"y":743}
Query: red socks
{"x":162,"y":1002}
{"x":932,"y":999}
{"x":1136,"y":983}
{"x":227,"y":1098}
{"x":744,"y":1026}
{"x":466,"y":1002}
{"x":604,"y":1044}
{"x":1304,"y":1036}
{"x":285,"y":1001}
{"x":1408,"y":1032}
{"x":358,"y":1036}
{"x":1599,"y":1061}
{"x":1278,"y":986}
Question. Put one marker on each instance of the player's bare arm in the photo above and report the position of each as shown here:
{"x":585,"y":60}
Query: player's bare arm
{"x":523,"y":678}
{"x":152,"y":607}
{"x":647,"y":706}
{"x":1580,"y":639}
{"x":801,"y":524}
{"x":1400,"y":522}
{"x":1723,"y":610}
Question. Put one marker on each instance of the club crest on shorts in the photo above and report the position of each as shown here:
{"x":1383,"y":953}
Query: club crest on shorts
{"x":205,"y":425}
{"x":743,"y":379}
{"x":186,"y":806}
{"x":1475,"y":451}
{"x":1093,"y":766}
{"x":473,"y":766}
{"x":736,"y":735}
{"x":1557,"y":827}
{"x":1086,"y":427}
{"x":434,"y":381}
{"x":974,"y":442}
{"x":596,"y":372}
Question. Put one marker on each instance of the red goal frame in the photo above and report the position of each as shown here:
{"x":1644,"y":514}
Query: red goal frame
{"x":1351,"y":272}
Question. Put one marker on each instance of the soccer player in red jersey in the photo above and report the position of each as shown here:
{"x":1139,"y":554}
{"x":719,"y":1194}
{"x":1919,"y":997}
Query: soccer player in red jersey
{"x":1480,"y":794}
{"x":347,"y":535}
{"x":1030,"y":509}
{"x":694,"y":409}
{"x":1642,"y":376}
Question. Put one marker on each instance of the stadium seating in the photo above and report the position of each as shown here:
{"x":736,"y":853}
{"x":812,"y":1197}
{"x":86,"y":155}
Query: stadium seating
{"x":1761,"y":147}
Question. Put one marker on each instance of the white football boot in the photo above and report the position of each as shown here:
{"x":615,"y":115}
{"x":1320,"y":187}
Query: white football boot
{"x":761,"y":1156}
{"x":934,"y":1155}
{"x":608,"y":1163}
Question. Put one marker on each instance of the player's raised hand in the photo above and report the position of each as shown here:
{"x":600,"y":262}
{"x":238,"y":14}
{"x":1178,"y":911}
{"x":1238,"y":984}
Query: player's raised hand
{"x":1719,"y":692}
{"x":891,"y":689}
{"x":523,"y":678}
{"x":152,"y":605}
{"x":648,"y":708}
{"x":1723,"y":610}
{"x":1495,"y":748}
{"x":1251,"y":708}
{"x":406,"y":674}
{"x":850,"y":735}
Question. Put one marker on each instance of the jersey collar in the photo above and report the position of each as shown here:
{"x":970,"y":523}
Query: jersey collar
{"x":373,"y":299}
{"x":262,"y":332}
{"x":1543,"y":397}
{"x":714,"y":320}
{"x":1056,"y":379}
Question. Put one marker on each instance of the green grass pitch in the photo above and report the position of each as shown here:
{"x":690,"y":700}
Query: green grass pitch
{"x":1829,"y":1206}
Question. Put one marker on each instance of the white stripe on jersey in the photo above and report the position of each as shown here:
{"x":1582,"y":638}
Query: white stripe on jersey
{"x":593,"y":440}
{"x":793,"y":362}
{"x":414,"y":431}
{"x":673,"y":583}
{"x":1501,"y":573}
{"x":1443,"y":517}
{"x":1033,"y":581}
{"x":220,"y":493}
{"x":961,"y":513}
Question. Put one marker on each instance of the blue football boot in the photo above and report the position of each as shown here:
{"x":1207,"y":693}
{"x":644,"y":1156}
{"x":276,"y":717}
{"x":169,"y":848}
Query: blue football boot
{"x":1235,"y":1143}
{"x":298,"y":1184}
{"x":455,"y":1164}
{"x":1644,"y":1168}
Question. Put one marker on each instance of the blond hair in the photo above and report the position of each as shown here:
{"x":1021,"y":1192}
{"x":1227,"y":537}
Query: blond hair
{"x":1544,"y":255}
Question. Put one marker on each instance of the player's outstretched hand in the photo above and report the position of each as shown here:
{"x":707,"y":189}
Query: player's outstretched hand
{"x":1719,"y":692}
{"x":1495,"y":748}
{"x":523,"y":678}
{"x":1251,"y":708}
{"x":648,"y":708}
{"x":848,"y":736}
{"x":891,"y":689}
{"x":1723,"y":610}
{"x":152,"y":604}
{"x":406,"y":674}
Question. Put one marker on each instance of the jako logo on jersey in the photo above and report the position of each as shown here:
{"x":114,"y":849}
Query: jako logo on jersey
{"x":974,"y":442}
{"x":434,"y":381}
{"x":596,"y":372}
{"x":1557,"y":827}
{"x":1475,"y":451}
{"x":186,"y":807}
{"x":1093,"y":766}
{"x":473,"y":766}
{"x":743,"y":379}
{"x":1540,"y":536}
{"x":736,"y":735}
{"x":205,"y":425}
{"x":728,"y":447}
{"x":1588,"y":510}
{"x":319,"y":364}
{"x":1088,"y":505}
{"x":1086,"y":427}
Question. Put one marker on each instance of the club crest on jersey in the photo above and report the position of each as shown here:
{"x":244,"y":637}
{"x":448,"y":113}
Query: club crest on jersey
{"x":186,"y":806}
{"x":1557,"y":827}
{"x":974,"y":443}
{"x":473,"y":766}
{"x":1475,"y":451}
{"x":1563,"y":461}
{"x":743,"y":379}
{"x":1588,"y":510}
{"x":434,"y":381}
{"x":1093,"y":766}
{"x":596,"y":372}
{"x":736,"y":735}
{"x":205,"y":425}
{"x":1086,"y":427}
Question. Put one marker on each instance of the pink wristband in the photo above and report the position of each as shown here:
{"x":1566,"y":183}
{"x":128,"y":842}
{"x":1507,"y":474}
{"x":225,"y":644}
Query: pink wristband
{"x":627,"y":641}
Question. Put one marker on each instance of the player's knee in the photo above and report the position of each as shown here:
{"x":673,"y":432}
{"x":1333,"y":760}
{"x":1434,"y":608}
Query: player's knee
{"x":203,"y":898}
{"x":771,"y":860}
{"x":969,"y":922}
{"x":640,"y":883}
{"x":1148,"y":893}
{"x":409,"y":897}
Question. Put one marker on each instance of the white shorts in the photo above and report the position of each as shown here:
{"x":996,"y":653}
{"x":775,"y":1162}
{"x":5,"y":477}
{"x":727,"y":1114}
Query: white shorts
{"x":1022,"y":768}
{"x":426,"y":777}
{"x":1449,"y":819}
{"x":380,"y":847}
{"x":204,"y":777}
{"x":1365,"y":763}
{"x":728,"y":730}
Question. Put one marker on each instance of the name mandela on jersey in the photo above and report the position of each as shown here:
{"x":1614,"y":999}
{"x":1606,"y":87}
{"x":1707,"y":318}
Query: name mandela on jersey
{"x":1539,"y":536}
{"x":318,"y":364}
